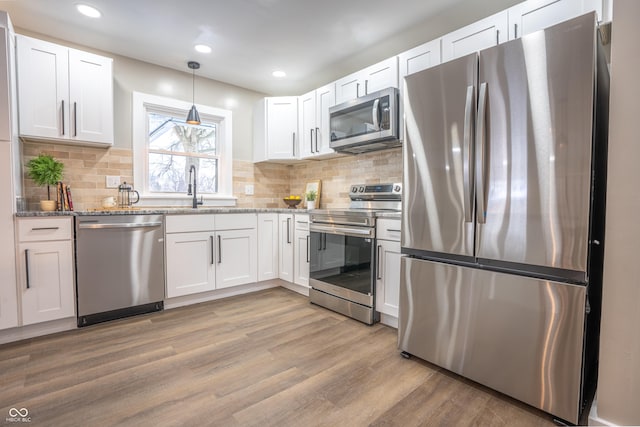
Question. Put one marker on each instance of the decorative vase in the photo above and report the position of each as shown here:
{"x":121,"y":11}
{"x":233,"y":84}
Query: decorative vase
{"x":311,"y":204}
{"x":48,"y":205}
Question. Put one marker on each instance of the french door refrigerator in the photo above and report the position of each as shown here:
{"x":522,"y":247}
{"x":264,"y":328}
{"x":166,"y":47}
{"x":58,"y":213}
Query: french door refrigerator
{"x":503,"y":213}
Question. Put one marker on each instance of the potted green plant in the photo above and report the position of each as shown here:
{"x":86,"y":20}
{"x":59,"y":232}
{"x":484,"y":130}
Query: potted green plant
{"x":311,"y":196}
{"x":45,"y":170}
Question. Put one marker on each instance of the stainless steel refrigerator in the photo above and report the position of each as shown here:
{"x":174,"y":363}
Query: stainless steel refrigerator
{"x":503,"y":215}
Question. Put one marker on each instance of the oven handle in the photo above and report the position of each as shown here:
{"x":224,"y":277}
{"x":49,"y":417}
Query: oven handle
{"x":343,"y":231}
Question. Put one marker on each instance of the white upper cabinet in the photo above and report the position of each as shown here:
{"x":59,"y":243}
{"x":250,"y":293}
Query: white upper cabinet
{"x":534,"y":15}
{"x":275,"y":129}
{"x":376,"y":77}
{"x":64,"y":94}
{"x":419,"y":58}
{"x":480,"y":35}
{"x":313,"y":116}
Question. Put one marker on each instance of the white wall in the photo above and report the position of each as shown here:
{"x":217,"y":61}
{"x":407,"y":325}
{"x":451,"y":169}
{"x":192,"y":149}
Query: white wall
{"x":618,"y":396}
{"x":133,"y":75}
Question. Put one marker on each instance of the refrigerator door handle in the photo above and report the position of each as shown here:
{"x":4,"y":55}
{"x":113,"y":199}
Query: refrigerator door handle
{"x":467,"y":153}
{"x":481,"y":213}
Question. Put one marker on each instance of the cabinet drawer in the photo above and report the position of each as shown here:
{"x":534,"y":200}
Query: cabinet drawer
{"x":302,"y":222}
{"x":388,"y":229}
{"x":236,"y":221}
{"x":189,"y":223}
{"x":43,"y":229}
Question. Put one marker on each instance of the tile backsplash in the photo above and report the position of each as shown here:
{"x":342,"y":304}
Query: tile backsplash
{"x":86,"y":169}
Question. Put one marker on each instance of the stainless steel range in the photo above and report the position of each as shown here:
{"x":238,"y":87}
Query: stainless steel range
{"x":342,"y":251}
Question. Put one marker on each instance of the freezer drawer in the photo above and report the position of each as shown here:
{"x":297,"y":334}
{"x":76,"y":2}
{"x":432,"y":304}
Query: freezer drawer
{"x":518,"y":335}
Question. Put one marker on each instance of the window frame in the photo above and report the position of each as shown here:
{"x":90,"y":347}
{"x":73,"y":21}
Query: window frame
{"x":144,"y":103}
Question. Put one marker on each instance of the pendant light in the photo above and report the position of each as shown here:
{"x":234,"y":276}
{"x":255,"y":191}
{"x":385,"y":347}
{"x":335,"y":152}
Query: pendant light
{"x":193,"y":118}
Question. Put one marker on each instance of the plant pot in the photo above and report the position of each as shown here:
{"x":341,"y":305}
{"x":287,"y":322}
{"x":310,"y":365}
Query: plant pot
{"x":48,"y":205}
{"x":311,"y":204}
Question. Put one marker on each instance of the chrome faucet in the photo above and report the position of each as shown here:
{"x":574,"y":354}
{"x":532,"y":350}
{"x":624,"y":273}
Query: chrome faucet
{"x":196,"y":202}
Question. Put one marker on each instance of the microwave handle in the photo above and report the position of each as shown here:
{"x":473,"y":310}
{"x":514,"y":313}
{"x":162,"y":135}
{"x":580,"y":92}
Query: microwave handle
{"x":376,"y":106}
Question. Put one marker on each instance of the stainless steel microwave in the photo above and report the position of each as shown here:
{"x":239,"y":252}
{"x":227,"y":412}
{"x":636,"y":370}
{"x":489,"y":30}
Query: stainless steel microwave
{"x":367,"y":123}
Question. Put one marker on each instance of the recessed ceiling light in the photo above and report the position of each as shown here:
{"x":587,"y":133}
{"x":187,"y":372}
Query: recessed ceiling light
{"x":89,"y":11}
{"x":279,"y":74}
{"x":202,"y":48}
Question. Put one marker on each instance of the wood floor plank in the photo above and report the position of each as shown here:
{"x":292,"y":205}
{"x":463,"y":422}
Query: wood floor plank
{"x":268,"y":358}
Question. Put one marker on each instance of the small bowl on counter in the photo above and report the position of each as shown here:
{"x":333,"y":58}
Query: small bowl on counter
{"x":292,"y":203}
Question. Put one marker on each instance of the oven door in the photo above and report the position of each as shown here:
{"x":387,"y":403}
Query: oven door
{"x":342,"y":261}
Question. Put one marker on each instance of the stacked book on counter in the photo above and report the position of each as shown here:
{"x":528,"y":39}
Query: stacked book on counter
{"x":63,"y":197}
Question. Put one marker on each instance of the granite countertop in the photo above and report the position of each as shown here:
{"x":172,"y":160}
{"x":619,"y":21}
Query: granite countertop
{"x":159,"y":210}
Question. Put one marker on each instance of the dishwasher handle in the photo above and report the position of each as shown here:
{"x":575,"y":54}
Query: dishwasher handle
{"x":121,"y":225}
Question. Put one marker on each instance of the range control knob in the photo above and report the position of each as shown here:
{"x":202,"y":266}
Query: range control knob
{"x":354,"y":189}
{"x":396,"y":188}
{"x":361,"y":189}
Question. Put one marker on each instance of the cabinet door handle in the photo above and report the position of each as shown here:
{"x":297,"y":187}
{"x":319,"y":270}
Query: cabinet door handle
{"x":379,"y":262}
{"x":324,"y":241}
{"x":317,"y":132}
{"x":219,"y":249}
{"x":293,"y":144}
{"x":26,"y":265}
{"x":288,"y":227}
{"x":44,"y":228}
{"x":393,"y":230}
{"x":75,"y":119}
{"x":497,"y":37}
{"x":308,"y":248}
{"x":212,"y":256}
{"x":62,"y":112}
{"x":515,"y":31}
{"x":311,"y":141}
{"x":366,"y":87}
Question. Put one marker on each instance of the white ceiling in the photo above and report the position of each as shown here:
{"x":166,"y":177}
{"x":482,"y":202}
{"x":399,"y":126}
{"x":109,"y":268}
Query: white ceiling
{"x":312,"y":40}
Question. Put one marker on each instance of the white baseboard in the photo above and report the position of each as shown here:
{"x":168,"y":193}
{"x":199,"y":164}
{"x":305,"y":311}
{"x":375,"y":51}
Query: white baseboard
{"x":31,"y":331}
{"x":389,"y":320}
{"x":301,"y":289}
{"x":219,"y":293}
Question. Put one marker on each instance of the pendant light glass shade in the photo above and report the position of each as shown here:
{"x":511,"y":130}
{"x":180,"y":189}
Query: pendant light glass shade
{"x":193,"y":118}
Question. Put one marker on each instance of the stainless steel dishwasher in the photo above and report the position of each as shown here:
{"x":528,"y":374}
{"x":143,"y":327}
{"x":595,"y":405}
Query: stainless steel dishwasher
{"x":119,"y":266}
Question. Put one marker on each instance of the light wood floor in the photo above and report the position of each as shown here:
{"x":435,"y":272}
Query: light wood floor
{"x":264,"y":359}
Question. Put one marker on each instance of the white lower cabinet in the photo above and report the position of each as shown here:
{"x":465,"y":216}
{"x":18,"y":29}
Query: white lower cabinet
{"x":237,"y":257}
{"x":285,"y":247}
{"x":207,"y":252}
{"x":388,"y":268}
{"x":302,"y":254}
{"x":45,"y":269}
{"x":267,"y":246}
{"x":190,"y":263}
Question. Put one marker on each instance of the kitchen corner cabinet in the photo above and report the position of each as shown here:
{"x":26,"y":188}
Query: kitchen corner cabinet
{"x":45,"y":269}
{"x":534,"y":15}
{"x":64,"y":94}
{"x":275,"y":129}
{"x":207,"y":252}
{"x":482,"y":34}
{"x":267,"y":246}
{"x":376,"y":77}
{"x":285,"y":247}
{"x":313,"y":117}
{"x":301,"y":250}
{"x":388,"y":266}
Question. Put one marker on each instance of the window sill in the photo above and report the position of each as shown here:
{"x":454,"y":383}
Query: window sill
{"x":152,"y":200}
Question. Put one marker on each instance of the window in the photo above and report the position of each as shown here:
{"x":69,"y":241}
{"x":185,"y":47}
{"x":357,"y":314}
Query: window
{"x":166,"y":151}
